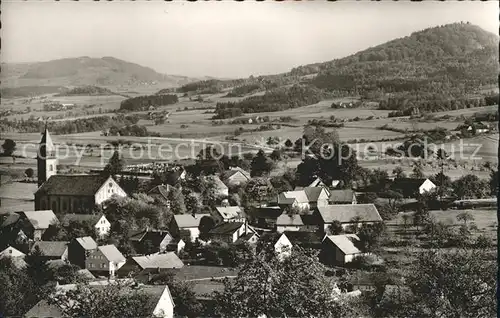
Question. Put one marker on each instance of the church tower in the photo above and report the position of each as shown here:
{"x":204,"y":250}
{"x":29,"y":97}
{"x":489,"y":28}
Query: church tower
{"x":46,"y":158}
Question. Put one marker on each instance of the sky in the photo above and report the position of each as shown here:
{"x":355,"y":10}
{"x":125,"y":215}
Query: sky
{"x":222,"y":39}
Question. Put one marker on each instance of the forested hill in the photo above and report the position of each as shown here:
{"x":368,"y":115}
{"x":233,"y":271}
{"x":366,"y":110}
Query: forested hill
{"x":455,"y":58}
{"x":455,"y":54}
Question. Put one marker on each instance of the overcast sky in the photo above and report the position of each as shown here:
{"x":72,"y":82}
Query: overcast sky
{"x":223,"y":39}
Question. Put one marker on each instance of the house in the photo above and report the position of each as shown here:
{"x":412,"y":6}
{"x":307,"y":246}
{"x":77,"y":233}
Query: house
{"x":188,"y":224}
{"x":412,"y":187}
{"x":35,"y":223}
{"x":316,"y":183}
{"x":249,"y":238}
{"x":264,"y":216}
{"x":98,"y":221}
{"x":160,"y":194}
{"x":44,"y":309}
{"x":79,"y":248}
{"x":16,"y":256}
{"x":304,"y":239}
{"x":76,"y":193}
{"x":52,"y":250}
{"x":340,"y":249}
{"x":235,"y":176}
{"x":346,"y":214}
{"x":294,"y":200}
{"x":342,"y":197}
{"x":220,"y":188}
{"x":317,"y":196}
{"x":154,"y":263}
{"x":104,"y":260}
{"x":227,"y":214}
{"x":230,"y":232}
{"x":154,"y":241}
{"x":296,"y":222}
{"x":283,"y":246}
{"x":160,"y":304}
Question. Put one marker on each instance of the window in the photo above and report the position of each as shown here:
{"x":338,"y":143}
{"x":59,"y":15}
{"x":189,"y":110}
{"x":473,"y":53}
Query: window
{"x":103,"y":265}
{"x":110,"y":184}
{"x":51,"y":168}
{"x":54,"y":206}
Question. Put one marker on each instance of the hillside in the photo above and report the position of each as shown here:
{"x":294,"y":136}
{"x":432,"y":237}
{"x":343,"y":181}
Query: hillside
{"x":444,"y":63}
{"x":87,"y":90}
{"x":81,"y":71}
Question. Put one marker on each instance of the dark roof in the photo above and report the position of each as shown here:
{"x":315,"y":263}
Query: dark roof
{"x":11,"y":218}
{"x":161,"y":190}
{"x":407,"y":184}
{"x":303,"y":238}
{"x":266,"y":212}
{"x":341,"y":196}
{"x":72,"y":185}
{"x":226,"y":228}
{"x":313,"y":193}
{"x":71,"y":217}
{"x":155,"y":236}
{"x":51,"y":248}
{"x":193,"y":272}
{"x":344,"y":213}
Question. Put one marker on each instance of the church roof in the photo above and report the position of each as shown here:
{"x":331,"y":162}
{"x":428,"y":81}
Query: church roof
{"x":84,"y":185}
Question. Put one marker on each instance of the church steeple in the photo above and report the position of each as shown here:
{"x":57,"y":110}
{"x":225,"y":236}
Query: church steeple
{"x":46,"y":158}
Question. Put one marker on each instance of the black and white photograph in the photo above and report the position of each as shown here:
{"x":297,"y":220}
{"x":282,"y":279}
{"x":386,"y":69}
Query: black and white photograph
{"x":270,"y":159}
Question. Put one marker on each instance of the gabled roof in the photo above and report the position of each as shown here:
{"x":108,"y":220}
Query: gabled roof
{"x":226,"y":228}
{"x":85,"y":185}
{"x":111,"y":253}
{"x":154,"y":261}
{"x":188,"y":220}
{"x":161,"y":190}
{"x":11,"y":218}
{"x":44,"y":309}
{"x":266,"y":212}
{"x":229,"y":212}
{"x":11,"y":252}
{"x":51,"y":248}
{"x":155,"y":236}
{"x":40,"y":219}
{"x":345,"y":242}
{"x":87,"y":242}
{"x":221,"y":186}
{"x":235,"y":170}
{"x":313,"y":193}
{"x":341,"y":196}
{"x":290,"y":220}
{"x":246,"y":237}
{"x":71,"y":217}
{"x":407,"y":183}
{"x":288,"y":197}
{"x":344,"y":213}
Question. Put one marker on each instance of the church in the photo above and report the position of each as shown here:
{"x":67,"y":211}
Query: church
{"x":69,"y":193}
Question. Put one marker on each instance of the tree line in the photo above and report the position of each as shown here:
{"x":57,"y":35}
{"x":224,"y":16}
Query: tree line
{"x":144,"y":102}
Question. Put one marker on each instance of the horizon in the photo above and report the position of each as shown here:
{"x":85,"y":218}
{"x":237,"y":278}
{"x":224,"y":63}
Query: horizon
{"x":235,"y":44}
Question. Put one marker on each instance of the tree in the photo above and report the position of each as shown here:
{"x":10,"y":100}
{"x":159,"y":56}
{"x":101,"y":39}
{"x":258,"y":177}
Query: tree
{"x":370,"y":235}
{"x":394,"y":199}
{"x":206,"y":224}
{"x":114,"y":166}
{"x":288,"y":143}
{"x":459,"y":283}
{"x":37,"y":268}
{"x":378,"y":179}
{"x":421,"y":216}
{"x":406,"y":217}
{"x":465,"y":217}
{"x":470,"y":187}
{"x":193,"y":203}
{"x":275,"y":155}
{"x":176,"y":199}
{"x":29,"y":173}
{"x":17,"y":292}
{"x":9,"y":146}
{"x":494,"y":182}
{"x":260,"y":165}
{"x":335,"y":228}
{"x":113,"y":300}
{"x":294,"y":287}
{"x":417,"y":172}
{"x":398,"y":173}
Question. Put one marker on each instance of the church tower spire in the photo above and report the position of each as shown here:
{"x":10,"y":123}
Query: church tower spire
{"x":46,"y":158}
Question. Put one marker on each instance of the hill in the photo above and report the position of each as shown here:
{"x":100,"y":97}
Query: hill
{"x":106,"y":71}
{"x":436,"y":69}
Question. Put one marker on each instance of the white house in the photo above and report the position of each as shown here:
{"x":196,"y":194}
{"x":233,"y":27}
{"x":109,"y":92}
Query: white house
{"x":187,"y":223}
{"x":230,"y":232}
{"x":98,"y":221}
{"x":294,"y":199}
{"x":227,"y":214}
{"x":283,"y":247}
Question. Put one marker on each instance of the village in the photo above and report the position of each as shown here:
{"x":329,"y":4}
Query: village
{"x":204,"y":243}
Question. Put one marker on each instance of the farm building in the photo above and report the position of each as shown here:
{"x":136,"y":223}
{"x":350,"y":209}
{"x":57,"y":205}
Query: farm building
{"x":340,"y":249}
{"x":342,"y":197}
{"x":411,"y":188}
{"x":347,"y":214}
